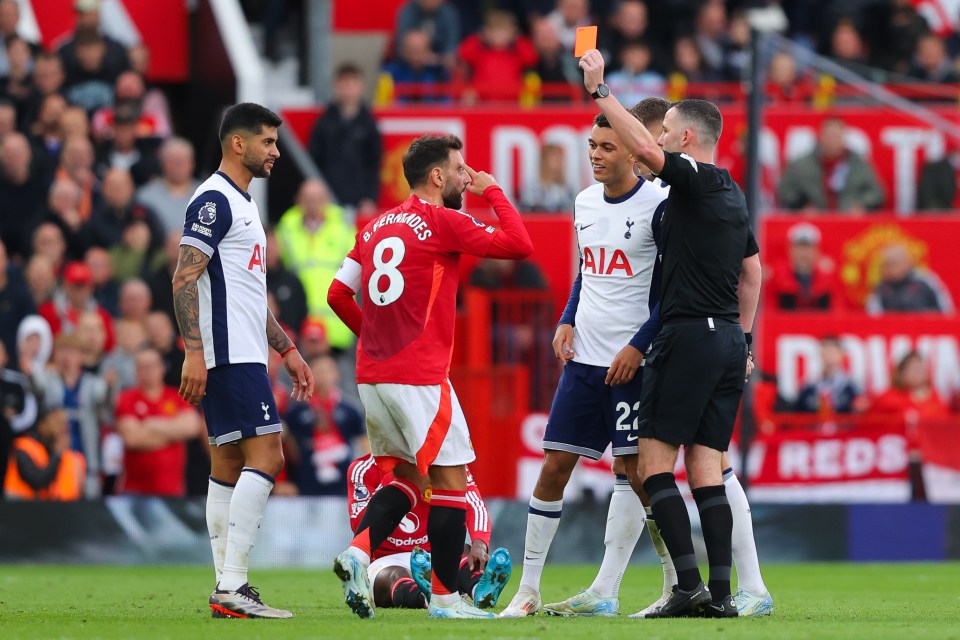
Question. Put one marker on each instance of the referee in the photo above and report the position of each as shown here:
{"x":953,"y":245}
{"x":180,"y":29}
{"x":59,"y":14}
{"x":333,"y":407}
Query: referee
{"x":694,"y":373}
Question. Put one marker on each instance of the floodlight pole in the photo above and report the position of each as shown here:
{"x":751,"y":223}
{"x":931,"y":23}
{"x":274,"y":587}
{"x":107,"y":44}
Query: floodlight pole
{"x":753,"y":179}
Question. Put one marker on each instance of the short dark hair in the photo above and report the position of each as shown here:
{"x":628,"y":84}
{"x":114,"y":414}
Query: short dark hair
{"x":704,"y":116}
{"x":347,"y":69}
{"x":248,"y":117}
{"x":425,"y":153}
{"x":86,"y":36}
{"x":11,"y":40}
{"x":47,"y":409}
{"x":650,"y":111}
{"x":48,"y":56}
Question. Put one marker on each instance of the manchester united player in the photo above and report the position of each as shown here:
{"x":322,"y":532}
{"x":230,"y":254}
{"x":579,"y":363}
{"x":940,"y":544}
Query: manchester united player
{"x":400,"y":571}
{"x":405,"y":264}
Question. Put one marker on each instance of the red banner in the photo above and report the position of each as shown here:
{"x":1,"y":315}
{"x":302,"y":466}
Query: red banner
{"x":873,"y":344}
{"x":869,"y":464}
{"x":854,"y":247}
{"x":507,"y":142}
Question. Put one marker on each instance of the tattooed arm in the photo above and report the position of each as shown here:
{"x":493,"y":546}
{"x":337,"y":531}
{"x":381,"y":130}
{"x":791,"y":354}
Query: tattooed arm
{"x":299,"y":372}
{"x":277,"y":338}
{"x":186,"y":304}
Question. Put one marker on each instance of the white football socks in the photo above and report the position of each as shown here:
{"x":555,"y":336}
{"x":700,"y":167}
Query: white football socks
{"x":669,"y":571}
{"x":744,"y":546}
{"x":543,"y":519}
{"x":625,"y":519}
{"x":246,"y":511}
{"x":218,"y":519}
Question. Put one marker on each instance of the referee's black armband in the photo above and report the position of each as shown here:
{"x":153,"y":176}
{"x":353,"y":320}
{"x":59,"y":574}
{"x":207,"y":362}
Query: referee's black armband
{"x":749,"y":337}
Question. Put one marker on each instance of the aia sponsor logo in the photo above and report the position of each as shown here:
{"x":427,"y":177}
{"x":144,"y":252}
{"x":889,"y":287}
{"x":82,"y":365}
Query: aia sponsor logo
{"x":605,"y":262}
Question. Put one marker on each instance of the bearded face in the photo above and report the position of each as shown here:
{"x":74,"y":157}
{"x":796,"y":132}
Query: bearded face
{"x":452,"y":194}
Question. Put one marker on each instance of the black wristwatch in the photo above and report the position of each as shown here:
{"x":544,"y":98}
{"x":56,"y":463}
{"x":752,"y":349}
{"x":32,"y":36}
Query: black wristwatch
{"x":602,"y":91}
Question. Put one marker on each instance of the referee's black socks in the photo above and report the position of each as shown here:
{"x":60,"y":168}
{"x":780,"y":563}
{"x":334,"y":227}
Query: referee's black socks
{"x":670,"y":513}
{"x":717,"y":522}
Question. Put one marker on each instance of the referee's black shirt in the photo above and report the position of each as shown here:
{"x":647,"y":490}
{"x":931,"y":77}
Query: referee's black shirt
{"x":705,"y":231}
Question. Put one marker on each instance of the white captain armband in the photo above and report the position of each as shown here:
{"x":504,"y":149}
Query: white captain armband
{"x":350,"y":273}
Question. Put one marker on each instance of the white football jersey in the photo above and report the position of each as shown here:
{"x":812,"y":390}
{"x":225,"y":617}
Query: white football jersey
{"x":617,"y":253}
{"x":223,"y":221}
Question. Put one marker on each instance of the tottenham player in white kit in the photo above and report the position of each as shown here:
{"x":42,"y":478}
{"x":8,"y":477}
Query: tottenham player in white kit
{"x":602,"y":345}
{"x":220,"y":298}
{"x":622,"y":533}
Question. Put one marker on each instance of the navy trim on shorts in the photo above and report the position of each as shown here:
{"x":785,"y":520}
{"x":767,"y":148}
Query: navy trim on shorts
{"x":593,"y":454}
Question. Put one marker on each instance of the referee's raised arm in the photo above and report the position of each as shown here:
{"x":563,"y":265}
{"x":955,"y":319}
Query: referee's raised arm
{"x":694,"y":374}
{"x":634,"y":135}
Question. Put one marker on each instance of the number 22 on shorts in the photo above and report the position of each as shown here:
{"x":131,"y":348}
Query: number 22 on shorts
{"x":387,"y":270}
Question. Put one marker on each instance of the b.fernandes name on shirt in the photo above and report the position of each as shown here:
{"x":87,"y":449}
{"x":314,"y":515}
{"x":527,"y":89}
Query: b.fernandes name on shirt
{"x":412,"y":220}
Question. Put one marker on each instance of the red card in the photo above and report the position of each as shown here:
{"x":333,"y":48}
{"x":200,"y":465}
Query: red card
{"x":586,"y":40}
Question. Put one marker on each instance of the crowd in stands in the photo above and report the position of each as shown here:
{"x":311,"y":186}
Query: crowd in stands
{"x":446,"y":50}
{"x":94,"y":183}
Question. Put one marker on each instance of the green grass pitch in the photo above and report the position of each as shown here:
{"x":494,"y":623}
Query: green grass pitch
{"x":842,"y":601}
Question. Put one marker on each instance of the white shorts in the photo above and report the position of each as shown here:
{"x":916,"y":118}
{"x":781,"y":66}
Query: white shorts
{"x":393,"y":560}
{"x":420,"y":424}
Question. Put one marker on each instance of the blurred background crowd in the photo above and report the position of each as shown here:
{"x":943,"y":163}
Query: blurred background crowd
{"x":96,"y":172}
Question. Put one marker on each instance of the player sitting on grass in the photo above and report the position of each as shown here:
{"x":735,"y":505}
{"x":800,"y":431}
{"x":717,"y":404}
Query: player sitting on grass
{"x":401,"y":569}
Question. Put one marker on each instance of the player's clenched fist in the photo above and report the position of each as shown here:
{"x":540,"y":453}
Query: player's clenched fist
{"x":563,"y":343}
{"x":479,"y":181}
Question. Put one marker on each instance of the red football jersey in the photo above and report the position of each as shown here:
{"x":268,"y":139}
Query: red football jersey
{"x":365,"y":480}
{"x":410,"y":261}
{"x":160,"y":472}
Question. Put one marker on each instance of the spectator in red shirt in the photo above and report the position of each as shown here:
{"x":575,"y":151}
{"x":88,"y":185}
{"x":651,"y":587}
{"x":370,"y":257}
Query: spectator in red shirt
{"x":784,"y":83}
{"x":154,"y":423}
{"x":495,"y":60}
{"x":910,"y":396}
{"x":806,"y":281}
{"x":63,"y":312}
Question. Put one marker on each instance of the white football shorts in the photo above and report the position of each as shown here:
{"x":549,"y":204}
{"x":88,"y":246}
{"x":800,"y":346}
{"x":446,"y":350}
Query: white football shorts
{"x":420,"y":424}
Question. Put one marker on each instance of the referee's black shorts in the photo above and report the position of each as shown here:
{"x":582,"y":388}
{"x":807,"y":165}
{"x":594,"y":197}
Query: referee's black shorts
{"x":692,"y":383}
